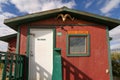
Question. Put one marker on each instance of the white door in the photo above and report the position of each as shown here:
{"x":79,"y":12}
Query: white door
{"x":41,"y":54}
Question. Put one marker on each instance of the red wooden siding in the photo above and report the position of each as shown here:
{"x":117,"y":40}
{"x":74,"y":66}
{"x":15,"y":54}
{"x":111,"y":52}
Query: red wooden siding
{"x":92,"y":67}
{"x":85,"y":68}
{"x":54,"y":21}
{"x":23,"y":39}
{"x":23,"y":47}
{"x":12,"y":45}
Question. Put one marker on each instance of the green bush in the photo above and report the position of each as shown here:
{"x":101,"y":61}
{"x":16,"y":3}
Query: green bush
{"x":116,"y":64}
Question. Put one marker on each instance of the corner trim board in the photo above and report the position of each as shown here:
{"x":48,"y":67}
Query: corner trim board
{"x":109,"y":56}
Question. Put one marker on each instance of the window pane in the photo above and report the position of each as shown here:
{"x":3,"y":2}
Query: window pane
{"x":77,"y":45}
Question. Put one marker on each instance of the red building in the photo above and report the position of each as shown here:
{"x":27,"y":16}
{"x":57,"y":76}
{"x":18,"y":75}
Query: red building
{"x":64,"y":44}
{"x":11,"y":40}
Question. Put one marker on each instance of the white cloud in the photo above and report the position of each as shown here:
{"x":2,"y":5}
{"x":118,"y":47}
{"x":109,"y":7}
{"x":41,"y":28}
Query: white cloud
{"x":99,"y":2}
{"x":28,"y":6}
{"x":56,"y":4}
{"x":115,"y":31}
{"x":108,"y":14}
{"x":88,"y":4}
{"x":31,"y":6}
{"x":109,"y":6}
{"x":2,"y":2}
{"x":115,"y":34}
{"x":3,"y":46}
{"x":4,"y":15}
{"x":115,"y":46}
{"x":4,"y":30}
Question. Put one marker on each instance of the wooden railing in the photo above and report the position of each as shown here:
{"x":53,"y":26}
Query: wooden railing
{"x":11,"y":66}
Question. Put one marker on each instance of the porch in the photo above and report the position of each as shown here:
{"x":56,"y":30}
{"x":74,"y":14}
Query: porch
{"x":11,"y":66}
{"x":15,"y":66}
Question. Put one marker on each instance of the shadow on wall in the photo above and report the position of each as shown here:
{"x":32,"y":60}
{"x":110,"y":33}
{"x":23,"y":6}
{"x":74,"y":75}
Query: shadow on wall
{"x":39,"y":73}
{"x":42,"y":73}
{"x":72,"y":73}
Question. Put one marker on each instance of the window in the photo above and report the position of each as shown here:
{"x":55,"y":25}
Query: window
{"x":78,"y":45}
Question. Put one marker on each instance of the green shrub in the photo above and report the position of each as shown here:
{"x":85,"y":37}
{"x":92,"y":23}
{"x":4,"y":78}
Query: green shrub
{"x":116,"y":64}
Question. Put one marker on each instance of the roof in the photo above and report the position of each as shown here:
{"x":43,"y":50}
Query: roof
{"x":8,"y":37}
{"x":15,"y":22}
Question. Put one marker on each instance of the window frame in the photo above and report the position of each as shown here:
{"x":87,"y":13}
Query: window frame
{"x":87,"y":44}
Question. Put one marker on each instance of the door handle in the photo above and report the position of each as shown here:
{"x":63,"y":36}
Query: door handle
{"x":31,"y":54}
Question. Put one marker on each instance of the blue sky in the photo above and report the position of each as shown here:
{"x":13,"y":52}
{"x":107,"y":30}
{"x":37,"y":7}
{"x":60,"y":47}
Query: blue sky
{"x":14,"y":8}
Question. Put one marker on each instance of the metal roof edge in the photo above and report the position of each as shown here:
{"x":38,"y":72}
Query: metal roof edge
{"x":6,"y":38}
{"x":27,"y":18}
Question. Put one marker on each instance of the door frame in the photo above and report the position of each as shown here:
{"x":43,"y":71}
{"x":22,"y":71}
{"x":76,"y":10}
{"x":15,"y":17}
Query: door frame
{"x":28,"y":44}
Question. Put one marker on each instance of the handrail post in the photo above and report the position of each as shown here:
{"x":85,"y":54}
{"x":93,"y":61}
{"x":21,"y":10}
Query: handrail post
{"x":5,"y":66}
{"x":57,"y":67}
{"x":11,"y":67}
{"x":10,"y":60}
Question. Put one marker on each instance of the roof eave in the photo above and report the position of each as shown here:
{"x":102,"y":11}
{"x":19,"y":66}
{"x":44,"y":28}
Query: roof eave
{"x":8,"y":37}
{"x":14,"y":22}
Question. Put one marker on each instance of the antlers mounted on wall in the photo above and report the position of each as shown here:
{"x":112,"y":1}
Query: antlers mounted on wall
{"x":65,"y":16}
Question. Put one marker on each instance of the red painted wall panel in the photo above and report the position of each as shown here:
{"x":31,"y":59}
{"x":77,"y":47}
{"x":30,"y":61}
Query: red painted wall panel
{"x":54,"y":21}
{"x":23,"y":47}
{"x":23,"y":39}
{"x":85,"y":68}
{"x":92,"y":67}
{"x":12,"y":45}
